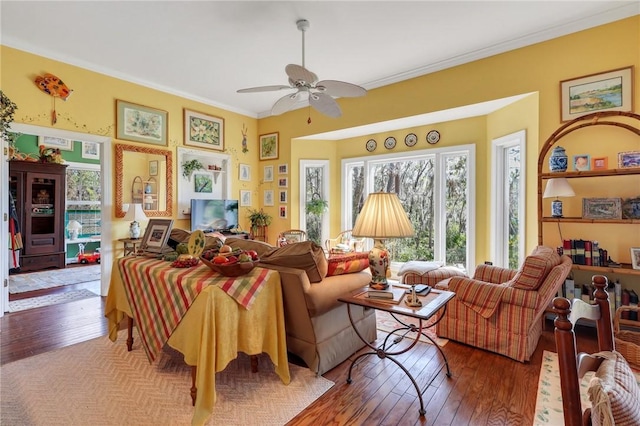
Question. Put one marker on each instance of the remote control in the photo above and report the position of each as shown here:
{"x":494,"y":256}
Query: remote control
{"x":421,"y":289}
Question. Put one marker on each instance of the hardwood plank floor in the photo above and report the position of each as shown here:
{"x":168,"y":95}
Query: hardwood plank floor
{"x":485,"y":388}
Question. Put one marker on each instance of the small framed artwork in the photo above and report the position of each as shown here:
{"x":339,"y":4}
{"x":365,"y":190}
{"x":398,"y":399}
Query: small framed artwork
{"x":202,"y":183}
{"x":268,"y":173}
{"x":90,"y":150}
{"x":269,"y":146}
{"x":582,"y":162}
{"x":629,"y":160}
{"x":283,"y":182}
{"x":600,"y":163}
{"x":268,"y":197}
{"x":245,"y":198}
{"x":635,"y":257}
{"x":601,"y":208}
{"x":139,"y":123}
{"x":245,"y":172}
{"x":156,"y":235}
{"x":153,"y":168}
{"x":283,"y":169}
{"x":606,"y":91}
{"x":204,"y":131}
{"x":282,"y":212}
{"x":282,"y":196}
{"x":51,"y":142}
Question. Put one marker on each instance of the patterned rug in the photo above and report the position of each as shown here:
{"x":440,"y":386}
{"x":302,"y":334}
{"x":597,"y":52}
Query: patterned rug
{"x":50,"y":299}
{"x":385,"y":322}
{"x":99,"y":383}
{"x":21,"y":283}
{"x":549,"y":402}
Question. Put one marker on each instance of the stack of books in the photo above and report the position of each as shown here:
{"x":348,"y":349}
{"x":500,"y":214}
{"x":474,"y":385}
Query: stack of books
{"x":390,"y":295}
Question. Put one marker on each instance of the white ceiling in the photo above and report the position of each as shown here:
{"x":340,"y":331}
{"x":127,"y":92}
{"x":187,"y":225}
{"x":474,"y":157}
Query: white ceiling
{"x":206,"y":50}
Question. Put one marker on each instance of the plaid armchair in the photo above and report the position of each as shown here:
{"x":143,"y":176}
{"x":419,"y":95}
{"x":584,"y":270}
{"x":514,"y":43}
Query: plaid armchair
{"x":499,"y":309}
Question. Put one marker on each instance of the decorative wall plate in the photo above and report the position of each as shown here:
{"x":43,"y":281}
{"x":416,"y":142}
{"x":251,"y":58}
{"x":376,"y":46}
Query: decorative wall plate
{"x":433,"y":137}
{"x":411,"y":139}
{"x":371,"y":145}
{"x":390,"y":142}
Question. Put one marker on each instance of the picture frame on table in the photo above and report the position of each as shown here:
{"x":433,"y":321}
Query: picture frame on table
{"x":156,"y":235}
{"x":631,"y":208}
{"x":629,"y":160}
{"x":268,"y":197}
{"x":203,"y":130}
{"x":139,"y":123}
{"x":245,"y":198}
{"x":602,"y":208}
{"x":53,"y":142}
{"x":268,"y":173}
{"x":599,"y":163}
{"x":244,"y":172}
{"x":269,"y":146}
{"x":90,"y":150}
{"x":635,"y":257}
{"x":606,"y":91}
{"x":582,"y":162}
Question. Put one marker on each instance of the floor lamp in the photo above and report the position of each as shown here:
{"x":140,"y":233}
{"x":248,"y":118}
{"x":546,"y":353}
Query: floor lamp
{"x":382,"y":216}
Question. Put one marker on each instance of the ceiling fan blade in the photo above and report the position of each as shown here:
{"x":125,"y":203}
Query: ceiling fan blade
{"x":297,"y":73}
{"x":340,"y":89}
{"x":264,"y":89}
{"x":285,"y":103}
{"x":325,"y":104}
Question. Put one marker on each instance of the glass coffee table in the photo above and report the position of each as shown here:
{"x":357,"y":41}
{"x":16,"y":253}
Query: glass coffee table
{"x":434,"y":303}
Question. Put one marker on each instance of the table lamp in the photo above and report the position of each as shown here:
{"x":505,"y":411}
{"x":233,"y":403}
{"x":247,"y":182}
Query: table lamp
{"x":558,"y":187}
{"x":382,"y":216}
{"x":135,"y":213}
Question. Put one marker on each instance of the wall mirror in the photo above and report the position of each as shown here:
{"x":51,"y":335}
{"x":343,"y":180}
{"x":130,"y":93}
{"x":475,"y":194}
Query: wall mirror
{"x":144,"y":175}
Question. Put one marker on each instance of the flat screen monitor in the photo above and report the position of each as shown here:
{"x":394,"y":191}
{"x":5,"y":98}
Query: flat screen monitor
{"x":214,"y":215}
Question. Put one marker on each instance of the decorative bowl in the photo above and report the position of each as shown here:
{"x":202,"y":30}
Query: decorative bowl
{"x":234,"y":270}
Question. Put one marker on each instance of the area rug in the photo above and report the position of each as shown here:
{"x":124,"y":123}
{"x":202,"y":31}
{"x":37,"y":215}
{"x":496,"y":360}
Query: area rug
{"x":50,"y":299}
{"x":21,"y":283}
{"x":99,"y":383}
{"x":549,"y":401}
{"x":385,"y":322}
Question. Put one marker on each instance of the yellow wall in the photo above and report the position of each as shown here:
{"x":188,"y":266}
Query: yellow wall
{"x":534,"y":69}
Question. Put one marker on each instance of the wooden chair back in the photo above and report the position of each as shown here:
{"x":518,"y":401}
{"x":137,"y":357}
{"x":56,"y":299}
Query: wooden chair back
{"x":291,"y":236}
{"x":573,"y":366}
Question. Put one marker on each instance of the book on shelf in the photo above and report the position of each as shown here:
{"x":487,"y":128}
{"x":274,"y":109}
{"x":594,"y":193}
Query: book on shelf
{"x":625,"y":299}
{"x":588,"y":258}
{"x":392,"y":295}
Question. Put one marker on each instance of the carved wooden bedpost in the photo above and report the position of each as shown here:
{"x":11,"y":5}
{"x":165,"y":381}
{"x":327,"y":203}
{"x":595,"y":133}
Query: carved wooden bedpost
{"x":566,"y":343}
{"x":605,"y":331}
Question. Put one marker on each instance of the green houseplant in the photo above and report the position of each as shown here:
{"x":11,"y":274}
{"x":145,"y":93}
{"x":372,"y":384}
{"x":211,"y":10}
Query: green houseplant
{"x":7,"y":110}
{"x":317,"y":206}
{"x":259,"y":218}
{"x":190,"y":166}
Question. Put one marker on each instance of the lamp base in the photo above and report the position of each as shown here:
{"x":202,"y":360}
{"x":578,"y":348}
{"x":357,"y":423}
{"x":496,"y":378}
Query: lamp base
{"x":134,"y":230}
{"x":556,"y":208}
{"x":379,"y":266}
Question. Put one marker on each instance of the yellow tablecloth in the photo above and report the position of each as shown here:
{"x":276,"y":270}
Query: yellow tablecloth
{"x":214,"y":330}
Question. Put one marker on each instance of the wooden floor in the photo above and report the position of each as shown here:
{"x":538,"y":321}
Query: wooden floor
{"x":485,"y":388}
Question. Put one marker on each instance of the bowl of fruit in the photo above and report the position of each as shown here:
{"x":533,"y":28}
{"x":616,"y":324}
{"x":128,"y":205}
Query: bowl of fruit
{"x":229,"y":262}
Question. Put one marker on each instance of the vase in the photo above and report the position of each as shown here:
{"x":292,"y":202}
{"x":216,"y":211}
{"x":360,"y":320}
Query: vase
{"x":558,"y":160}
{"x":134,"y":230}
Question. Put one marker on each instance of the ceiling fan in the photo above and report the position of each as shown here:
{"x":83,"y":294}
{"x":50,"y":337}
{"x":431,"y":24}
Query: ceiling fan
{"x":319,"y":93}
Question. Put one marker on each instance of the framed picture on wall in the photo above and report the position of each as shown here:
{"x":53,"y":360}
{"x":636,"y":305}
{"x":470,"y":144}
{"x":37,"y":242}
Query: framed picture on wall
{"x":139,"y":123}
{"x":268,"y":173}
{"x":282,"y":196}
{"x":283,"y":182}
{"x":202,"y":183}
{"x":153,"y":168}
{"x":268,"y":197}
{"x":269,"y":146}
{"x":59,"y":143}
{"x":244,"y":172}
{"x":203,"y":130}
{"x":245,"y":198}
{"x":282,"y":212}
{"x":90,"y":150}
{"x":283,"y":169}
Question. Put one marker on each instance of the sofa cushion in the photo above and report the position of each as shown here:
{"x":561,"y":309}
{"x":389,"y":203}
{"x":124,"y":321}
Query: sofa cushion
{"x":260,"y":247}
{"x":349,"y":263}
{"x":305,"y":255}
{"x":535,"y":268}
{"x":614,"y":392}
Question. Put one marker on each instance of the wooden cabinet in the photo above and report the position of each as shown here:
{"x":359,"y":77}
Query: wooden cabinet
{"x":39,"y":192}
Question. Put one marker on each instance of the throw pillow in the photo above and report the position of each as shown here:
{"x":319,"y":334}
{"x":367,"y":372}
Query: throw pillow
{"x":260,"y":247}
{"x":535,"y":268}
{"x":614,"y":393}
{"x":349,"y":263}
{"x":305,"y":255}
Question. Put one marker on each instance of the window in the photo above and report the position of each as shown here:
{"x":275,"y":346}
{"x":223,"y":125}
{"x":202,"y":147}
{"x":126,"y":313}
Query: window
{"x":508,"y":200}
{"x":83,"y":198}
{"x":435,"y":188}
{"x":315,"y":175}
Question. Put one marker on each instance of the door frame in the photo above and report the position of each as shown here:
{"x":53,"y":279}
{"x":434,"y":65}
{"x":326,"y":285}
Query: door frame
{"x":106,"y":247}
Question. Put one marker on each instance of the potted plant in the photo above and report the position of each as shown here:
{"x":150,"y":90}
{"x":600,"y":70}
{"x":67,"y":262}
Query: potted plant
{"x":190,"y":166}
{"x":317,"y":206}
{"x":259,"y":221}
{"x":7,"y":109}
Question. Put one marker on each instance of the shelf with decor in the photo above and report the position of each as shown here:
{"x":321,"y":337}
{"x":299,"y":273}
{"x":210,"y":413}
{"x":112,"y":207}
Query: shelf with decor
{"x":624,"y":216}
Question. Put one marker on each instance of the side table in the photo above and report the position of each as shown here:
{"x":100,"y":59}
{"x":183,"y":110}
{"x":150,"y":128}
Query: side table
{"x":432,"y":303}
{"x":130,"y":245}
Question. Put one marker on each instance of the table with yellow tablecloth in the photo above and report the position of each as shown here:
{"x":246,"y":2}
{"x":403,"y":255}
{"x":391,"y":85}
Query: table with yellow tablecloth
{"x":214,"y":328}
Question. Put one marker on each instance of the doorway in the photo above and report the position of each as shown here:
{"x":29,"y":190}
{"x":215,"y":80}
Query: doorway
{"x":105,"y":148}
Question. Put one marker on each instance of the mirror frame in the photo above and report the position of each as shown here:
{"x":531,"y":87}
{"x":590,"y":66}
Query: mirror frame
{"x":120,"y":148}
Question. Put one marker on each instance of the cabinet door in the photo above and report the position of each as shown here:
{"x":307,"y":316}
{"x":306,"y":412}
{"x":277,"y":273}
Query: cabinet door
{"x":43,"y":213}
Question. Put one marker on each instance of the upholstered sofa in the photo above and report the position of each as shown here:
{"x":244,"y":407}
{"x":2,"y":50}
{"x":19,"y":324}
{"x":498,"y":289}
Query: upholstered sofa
{"x":317,"y":325}
{"x":501,"y":310}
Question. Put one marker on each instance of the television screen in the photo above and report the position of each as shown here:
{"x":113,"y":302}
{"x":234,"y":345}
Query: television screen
{"x":214,"y":215}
